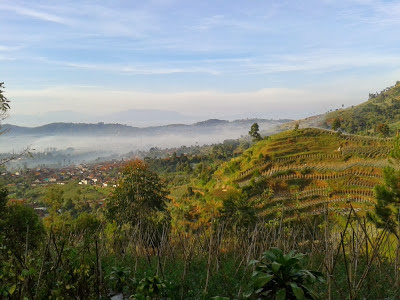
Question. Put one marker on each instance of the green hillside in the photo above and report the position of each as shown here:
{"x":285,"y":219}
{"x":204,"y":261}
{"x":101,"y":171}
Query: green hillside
{"x":383,"y":107}
{"x":306,"y":171}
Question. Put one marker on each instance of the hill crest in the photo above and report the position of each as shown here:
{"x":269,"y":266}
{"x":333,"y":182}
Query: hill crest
{"x":383,"y":107}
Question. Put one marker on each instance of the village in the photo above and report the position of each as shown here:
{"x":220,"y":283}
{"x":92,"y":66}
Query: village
{"x":98,"y":174}
{"x":27,"y":186}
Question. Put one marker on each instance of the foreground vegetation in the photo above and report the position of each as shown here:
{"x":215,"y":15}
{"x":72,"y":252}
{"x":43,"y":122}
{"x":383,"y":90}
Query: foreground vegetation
{"x":92,"y":259}
{"x":198,"y":227}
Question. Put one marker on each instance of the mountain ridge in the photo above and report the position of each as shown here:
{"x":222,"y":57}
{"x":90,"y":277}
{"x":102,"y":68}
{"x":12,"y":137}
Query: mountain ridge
{"x":77,"y":129}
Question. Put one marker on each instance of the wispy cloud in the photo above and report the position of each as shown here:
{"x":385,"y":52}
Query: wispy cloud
{"x":321,"y":62}
{"x":129,"y":69}
{"x":85,"y":18}
{"x":248,"y":24}
{"x":33,"y":13}
{"x":374,"y":12}
{"x":6,"y":58}
{"x":9,"y":48}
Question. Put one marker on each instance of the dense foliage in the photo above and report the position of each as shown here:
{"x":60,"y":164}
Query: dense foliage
{"x":139,"y":195}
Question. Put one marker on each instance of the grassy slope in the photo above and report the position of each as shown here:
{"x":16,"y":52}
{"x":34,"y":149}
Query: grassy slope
{"x":308,"y":169}
{"x":383,"y":108}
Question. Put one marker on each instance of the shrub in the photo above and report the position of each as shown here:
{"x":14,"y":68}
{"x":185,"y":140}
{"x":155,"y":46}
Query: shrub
{"x":120,"y":279}
{"x":279,"y":276}
{"x":150,"y":288}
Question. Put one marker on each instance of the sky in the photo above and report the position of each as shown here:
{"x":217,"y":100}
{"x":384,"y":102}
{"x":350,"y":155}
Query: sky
{"x":203,"y":59}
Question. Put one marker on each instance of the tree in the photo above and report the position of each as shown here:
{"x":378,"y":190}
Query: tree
{"x":3,"y":200}
{"x":386,"y":212}
{"x":240,"y":211}
{"x":21,"y":224}
{"x":4,"y":102}
{"x":18,"y":225}
{"x":139,"y":195}
{"x":4,"y":107}
{"x":383,"y":129}
{"x":336,"y":124}
{"x":387,"y":208}
{"x":254,"y":132}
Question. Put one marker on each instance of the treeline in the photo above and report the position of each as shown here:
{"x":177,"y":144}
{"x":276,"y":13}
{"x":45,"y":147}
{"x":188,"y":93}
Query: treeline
{"x":193,"y":159}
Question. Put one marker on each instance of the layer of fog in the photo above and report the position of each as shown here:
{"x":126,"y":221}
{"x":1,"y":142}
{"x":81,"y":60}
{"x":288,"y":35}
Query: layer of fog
{"x":114,"y":144}
{"x":73,"y":149}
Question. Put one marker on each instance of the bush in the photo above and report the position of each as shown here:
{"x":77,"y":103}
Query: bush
{"x":121,"y":280}
{"x":21,"y":224}
{"x":279,"y":276}
{"x":150,"y":288}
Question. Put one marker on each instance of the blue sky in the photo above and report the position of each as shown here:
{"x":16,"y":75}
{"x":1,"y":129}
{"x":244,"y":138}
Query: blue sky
{"x":205,"y":59}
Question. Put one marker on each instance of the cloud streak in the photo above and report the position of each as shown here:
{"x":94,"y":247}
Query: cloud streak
{"x":322,"y":62}
{"x":35,"y":14}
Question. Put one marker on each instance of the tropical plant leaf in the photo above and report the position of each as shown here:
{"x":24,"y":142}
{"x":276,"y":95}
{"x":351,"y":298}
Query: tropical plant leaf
{"x":11,"y":290}
{"x":290,"y":255}
{"x":310,"y":292}
{"x":253,"y":262}
{"x":269,"y":255}
{"x":248,"y":293}
{"x":280,"y":294}
{"x":297,"y":291}
{"x":275,"y":266}
{"x":262,"y":280}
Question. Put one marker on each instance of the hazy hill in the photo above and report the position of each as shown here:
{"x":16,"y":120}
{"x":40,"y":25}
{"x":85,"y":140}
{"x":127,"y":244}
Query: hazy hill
{"x":383,"y":107}
{"x":134,"y":117}
{"x":119,"y":139}
{"x":84,"y":129}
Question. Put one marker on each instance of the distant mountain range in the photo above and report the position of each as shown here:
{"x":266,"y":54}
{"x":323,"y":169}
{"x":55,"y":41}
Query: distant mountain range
{"x":135,"y":117}
{"x":104,"y":129}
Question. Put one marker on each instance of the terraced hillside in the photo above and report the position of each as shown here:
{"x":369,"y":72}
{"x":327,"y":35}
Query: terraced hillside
{"x":307,"y":171}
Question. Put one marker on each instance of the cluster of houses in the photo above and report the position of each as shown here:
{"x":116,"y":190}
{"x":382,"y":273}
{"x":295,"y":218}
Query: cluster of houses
{"x":103,"y":174}
{"x":100,"y":175}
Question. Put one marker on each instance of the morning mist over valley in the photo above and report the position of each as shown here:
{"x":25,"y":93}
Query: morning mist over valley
{"x":195,"y":150}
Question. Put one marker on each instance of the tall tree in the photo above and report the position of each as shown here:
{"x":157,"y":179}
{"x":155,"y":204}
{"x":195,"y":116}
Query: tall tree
{"x":139,"y":195}
{"x":387,"y":207}
{"x":254,"y":132}
{"x":4,"y":103}
{"x":4,"y":107}
{"x":336,"y":124}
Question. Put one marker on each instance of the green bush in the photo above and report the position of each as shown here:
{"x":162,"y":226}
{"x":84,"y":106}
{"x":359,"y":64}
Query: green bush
{"x":120,"y":280}
{"x":279,"y":276}
{"x":150,"y":288}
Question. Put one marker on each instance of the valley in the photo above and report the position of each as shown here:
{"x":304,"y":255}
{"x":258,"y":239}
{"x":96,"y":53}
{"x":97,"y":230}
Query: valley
{"x":199,"y":150}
